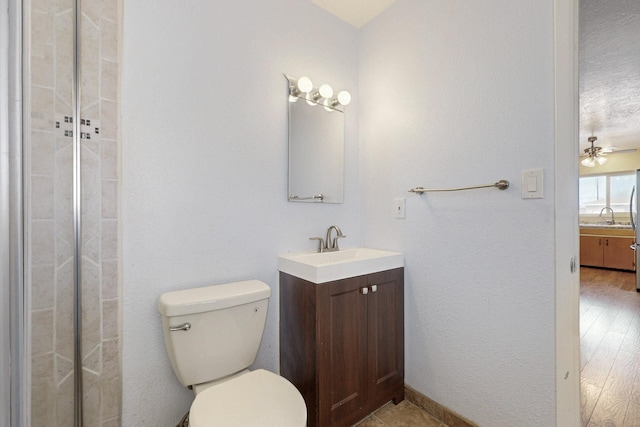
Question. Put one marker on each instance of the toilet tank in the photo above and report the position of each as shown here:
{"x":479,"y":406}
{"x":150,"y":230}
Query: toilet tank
{"x":219,"y":329}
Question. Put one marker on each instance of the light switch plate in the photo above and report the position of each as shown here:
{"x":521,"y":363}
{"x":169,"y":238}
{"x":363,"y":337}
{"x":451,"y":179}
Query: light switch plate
{"x":532,"y":184}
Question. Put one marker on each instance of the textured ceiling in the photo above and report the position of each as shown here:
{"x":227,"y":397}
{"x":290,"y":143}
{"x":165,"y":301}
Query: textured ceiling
{"x":355,"y":12}
{"x":610,"y":72}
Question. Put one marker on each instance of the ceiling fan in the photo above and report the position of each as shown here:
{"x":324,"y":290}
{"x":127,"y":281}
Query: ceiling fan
{"x":597,"y":155}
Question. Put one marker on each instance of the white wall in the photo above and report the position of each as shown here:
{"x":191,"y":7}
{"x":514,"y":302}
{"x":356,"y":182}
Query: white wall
{"x":451,"y":93}
{"x":205,"y":164}
{"x":459,"y":93}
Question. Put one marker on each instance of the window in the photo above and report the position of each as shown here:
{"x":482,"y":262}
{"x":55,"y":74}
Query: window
{"x":599,"y":191}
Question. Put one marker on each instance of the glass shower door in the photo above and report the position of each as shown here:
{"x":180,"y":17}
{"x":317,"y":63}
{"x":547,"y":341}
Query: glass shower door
{"x":71,"y":212}
{"x":50,"y":261}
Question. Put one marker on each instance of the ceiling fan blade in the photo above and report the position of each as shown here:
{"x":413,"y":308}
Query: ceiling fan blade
{"x":605,"y":152}
{"x":630,"y":150}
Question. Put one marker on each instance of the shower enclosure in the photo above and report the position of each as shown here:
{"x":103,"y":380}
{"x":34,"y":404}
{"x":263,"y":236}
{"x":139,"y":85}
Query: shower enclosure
{"x":61,"y":182}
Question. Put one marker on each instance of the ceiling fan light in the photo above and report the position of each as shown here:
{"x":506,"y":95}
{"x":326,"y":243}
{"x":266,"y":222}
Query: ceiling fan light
{"x":601,"y":160}
{"x":588,"y":162}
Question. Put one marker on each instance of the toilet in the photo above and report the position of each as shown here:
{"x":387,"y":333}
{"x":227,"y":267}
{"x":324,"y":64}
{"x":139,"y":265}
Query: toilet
{"x":212,"y":335}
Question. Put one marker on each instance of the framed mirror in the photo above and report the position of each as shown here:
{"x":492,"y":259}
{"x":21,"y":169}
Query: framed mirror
{"x":316,"y":152}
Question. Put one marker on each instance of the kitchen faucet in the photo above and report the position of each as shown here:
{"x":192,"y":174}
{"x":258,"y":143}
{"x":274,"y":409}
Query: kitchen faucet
{"x":328,"y":245}
{"x":612,"y":221}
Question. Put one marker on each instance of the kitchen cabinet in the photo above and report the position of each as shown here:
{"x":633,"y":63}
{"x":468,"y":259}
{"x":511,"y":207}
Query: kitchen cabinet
{"x":591,"y":251}
{"x":342,"y":344}
{"x":607,"y":251}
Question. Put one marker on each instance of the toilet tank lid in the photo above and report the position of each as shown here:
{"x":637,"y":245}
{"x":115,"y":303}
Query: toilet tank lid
{"x":210,"y":298}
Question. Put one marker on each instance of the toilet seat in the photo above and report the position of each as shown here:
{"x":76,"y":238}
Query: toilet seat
{"x":258,"y":398}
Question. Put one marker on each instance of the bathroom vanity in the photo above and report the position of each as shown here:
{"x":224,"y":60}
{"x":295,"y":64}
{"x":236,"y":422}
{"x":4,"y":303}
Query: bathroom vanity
{"x":342,"y":342}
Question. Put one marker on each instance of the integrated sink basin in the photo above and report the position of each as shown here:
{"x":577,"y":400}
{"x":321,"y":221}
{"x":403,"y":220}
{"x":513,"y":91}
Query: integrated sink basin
{"x":327,"y":266}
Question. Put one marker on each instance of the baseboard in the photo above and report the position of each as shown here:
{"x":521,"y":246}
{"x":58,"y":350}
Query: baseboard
{"x":436,"y":410}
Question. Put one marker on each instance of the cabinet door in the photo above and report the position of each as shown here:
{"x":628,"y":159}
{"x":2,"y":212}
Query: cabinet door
{"x":591,"y":252}
{"x":342,"y":336}
{"x":298,"y":348}
{"x":617,"y":253}
{"x":386,"y":337}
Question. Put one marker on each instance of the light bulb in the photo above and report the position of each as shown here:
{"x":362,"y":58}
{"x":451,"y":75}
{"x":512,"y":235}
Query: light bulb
{"x":601,"y":160}
{"x":325,"y":91}
{"x":344,"y":97}
{"x":588,"y":162}
{"x":305,"y":85}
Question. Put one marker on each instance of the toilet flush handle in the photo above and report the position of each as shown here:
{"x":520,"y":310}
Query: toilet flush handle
{"x":183,"y":327}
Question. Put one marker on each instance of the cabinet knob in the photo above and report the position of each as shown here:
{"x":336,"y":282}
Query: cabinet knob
{"x":374,"y":288}
{"x":364,"y":291}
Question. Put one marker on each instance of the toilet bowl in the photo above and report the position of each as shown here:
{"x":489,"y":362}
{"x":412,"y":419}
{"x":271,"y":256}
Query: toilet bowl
{"x":212,"y":335}
{"x":259,"y":398}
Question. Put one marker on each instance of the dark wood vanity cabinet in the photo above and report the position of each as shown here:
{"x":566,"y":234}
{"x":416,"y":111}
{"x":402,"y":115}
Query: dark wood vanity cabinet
{"x":342,"y":344}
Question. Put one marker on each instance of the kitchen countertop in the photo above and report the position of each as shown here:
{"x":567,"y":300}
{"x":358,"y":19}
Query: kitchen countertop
{"x":606,"y":230}
{"x":617,"y":225}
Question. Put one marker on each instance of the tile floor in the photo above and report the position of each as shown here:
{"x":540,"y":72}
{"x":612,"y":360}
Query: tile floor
{"x":405,"y":414}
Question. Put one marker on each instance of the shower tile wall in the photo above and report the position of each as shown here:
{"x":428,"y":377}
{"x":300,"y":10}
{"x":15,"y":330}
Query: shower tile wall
{"x":50,"y":214}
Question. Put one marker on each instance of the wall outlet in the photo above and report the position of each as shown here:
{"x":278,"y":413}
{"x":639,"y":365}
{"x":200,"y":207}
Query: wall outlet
{"x":399,"y":208}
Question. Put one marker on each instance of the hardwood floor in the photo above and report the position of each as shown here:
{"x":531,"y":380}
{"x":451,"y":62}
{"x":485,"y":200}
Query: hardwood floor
{"x":610,"y":348}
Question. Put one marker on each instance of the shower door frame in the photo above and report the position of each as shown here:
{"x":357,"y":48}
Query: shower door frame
{"x":15,"y":405}
{"x":13,"y":360}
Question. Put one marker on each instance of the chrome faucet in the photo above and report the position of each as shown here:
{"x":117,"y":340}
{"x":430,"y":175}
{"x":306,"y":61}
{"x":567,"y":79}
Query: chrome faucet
{"x":611,"y":221}
{"x":328,"y":245}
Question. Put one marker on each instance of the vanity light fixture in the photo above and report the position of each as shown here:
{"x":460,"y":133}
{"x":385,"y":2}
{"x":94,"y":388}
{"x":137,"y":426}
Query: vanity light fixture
{"x":313,"y":98}
{"x":323,"y":95}
{"x":325,"y":91}
{"x":305,"y":84}
{"x":300,"y":86}
{"x":343,"y":98}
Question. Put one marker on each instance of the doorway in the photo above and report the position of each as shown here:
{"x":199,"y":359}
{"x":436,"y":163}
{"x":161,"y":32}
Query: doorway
{"x":609,"y":306}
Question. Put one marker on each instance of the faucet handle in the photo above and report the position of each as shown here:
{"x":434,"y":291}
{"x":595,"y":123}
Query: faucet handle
{"x":335,"y":240}
{"x":320,"y":243}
